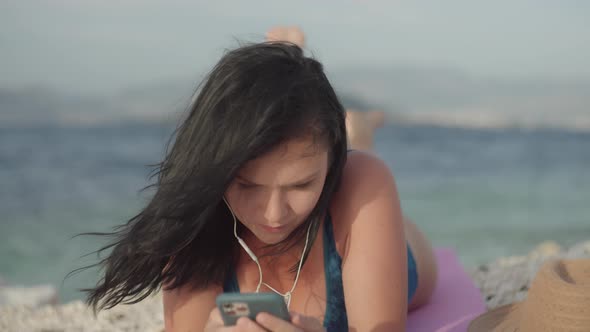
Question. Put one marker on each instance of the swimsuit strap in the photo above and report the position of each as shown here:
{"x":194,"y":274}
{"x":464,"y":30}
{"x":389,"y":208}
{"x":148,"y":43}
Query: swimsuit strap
{"x":335,"y":318}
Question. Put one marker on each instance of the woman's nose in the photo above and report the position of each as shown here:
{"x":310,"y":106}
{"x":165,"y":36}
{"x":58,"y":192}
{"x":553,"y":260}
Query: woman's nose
{"x":276,"y":208}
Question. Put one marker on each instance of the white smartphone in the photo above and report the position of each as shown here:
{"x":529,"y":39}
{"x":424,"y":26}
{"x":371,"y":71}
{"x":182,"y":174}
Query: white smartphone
{"x":235,"y":305}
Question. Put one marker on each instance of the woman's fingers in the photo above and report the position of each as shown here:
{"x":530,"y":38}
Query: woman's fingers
{"x":215,"y":316}
{"x":273,"y":323}
{"x":214,"y":323}
{"x":266,"y":322}
{"x":244,"y":324}
{"x":307,"y":323}
{"x":299,"y":323}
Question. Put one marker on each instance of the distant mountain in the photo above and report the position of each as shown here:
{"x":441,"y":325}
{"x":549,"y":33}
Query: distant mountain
{"x":422,"y":89}
{"x":443,"y":96}
{"x":43,"y":106}
{"x":437,"y":96}
{"x":35,"y":105}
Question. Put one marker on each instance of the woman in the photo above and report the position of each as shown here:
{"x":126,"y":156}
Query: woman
{"x":262,"y":159}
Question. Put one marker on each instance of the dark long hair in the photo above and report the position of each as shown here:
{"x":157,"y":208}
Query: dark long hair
{"x":256,"y":97}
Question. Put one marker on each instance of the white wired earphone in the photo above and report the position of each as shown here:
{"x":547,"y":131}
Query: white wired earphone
{"x":287,"y":295}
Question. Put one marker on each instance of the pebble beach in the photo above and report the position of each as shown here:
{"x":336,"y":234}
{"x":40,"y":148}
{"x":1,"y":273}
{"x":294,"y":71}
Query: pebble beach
{"x":502,"y":281}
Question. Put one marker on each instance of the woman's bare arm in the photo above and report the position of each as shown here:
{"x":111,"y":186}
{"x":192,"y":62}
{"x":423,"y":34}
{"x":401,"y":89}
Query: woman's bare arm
{"x":374,"y":267}
{"x":186,"y":310}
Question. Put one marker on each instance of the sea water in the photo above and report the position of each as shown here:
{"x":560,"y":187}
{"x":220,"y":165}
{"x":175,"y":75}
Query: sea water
{"x":486,"y":193}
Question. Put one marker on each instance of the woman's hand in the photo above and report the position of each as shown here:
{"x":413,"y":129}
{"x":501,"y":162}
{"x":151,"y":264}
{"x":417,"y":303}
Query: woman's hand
{"x":298,"y":323}
{"x":265,"y":322}
{"x":215,"y":324}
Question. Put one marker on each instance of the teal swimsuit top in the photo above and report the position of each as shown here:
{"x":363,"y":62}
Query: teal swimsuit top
{"x":335,"y":318}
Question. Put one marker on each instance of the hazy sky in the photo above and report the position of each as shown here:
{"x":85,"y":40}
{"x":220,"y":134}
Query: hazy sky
{"x":99,"y":47}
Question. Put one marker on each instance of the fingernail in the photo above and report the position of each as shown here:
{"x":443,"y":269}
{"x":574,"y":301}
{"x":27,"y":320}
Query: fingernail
{"x":261,"y":317}
{"x":243,"y":321}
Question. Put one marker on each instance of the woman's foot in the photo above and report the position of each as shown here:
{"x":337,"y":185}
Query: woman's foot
{"x":291,"y":34}
{"x":360,"y":128}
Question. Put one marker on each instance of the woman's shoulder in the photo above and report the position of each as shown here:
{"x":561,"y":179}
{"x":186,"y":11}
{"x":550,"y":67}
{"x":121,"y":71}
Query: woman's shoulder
{"x":364,"y":166}
{"x":364,"y":178}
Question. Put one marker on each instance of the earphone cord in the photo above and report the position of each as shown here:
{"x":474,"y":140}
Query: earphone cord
{"x":287,"y":295}
{"x":249,"y":252}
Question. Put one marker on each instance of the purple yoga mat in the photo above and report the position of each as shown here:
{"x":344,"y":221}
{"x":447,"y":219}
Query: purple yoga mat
{"x":455,"y":302}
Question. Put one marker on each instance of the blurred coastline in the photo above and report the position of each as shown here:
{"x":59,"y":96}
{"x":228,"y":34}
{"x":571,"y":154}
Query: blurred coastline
{"x":410,"y":96}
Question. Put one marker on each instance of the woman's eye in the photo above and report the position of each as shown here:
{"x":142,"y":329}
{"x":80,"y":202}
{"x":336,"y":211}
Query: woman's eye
{"x":302,"y":185}
{"x":245,"y":185}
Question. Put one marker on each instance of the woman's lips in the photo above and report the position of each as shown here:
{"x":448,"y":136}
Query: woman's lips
{"x":273,"y":229}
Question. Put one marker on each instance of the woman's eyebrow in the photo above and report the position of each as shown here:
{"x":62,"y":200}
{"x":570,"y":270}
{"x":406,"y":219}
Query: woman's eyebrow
{"x":295,"y":183}
{"x":305,"y":180}
{"x":243,"y":179}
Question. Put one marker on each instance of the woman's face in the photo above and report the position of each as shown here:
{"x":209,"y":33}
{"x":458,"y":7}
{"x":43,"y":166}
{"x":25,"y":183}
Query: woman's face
{"x":273,"y":194}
